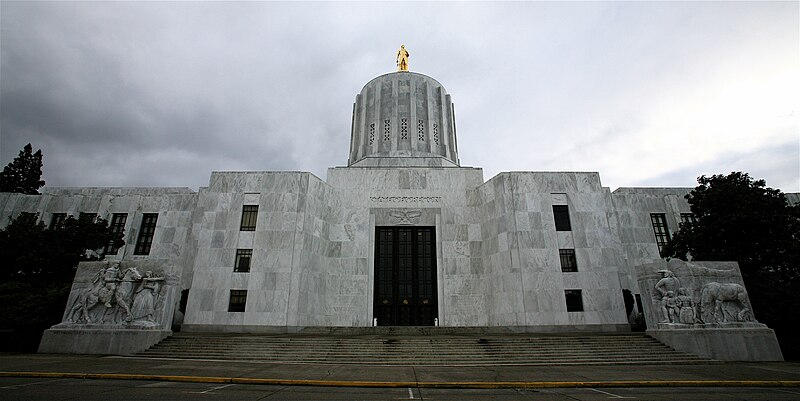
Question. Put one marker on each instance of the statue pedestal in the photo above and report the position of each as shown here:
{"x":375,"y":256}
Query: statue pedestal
{"x":722,"y":343}
{"x":86,"y":339}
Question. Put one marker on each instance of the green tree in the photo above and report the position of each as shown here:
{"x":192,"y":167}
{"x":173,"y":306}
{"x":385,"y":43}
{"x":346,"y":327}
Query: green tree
{"x":743,"y":220}
{"x":23,"y":175}
{"x":38,"y":266}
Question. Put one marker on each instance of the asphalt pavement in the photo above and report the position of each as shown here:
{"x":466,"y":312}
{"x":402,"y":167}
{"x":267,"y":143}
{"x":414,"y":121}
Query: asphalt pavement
{"x":731,"y":374}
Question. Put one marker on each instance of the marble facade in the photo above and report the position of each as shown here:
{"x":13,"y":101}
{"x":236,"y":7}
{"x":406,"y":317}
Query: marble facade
{"x":497,"y":249}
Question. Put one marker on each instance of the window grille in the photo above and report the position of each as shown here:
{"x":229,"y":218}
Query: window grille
{"x":57,"y":220}
{"x":371,"y":133}
{"x":117,"y":227}
{"x":688,"y":218}
{"x":660,"y":230}
{"x":249,"y":217}
{"x":243,"y":258}
{"x":146,"y":233}
{"x":568,"y":261}
{"x":237,"y":301}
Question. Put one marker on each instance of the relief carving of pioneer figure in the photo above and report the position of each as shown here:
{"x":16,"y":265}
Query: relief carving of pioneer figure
{"x":686,"y":308}
{"x":107,"y":286}
{"x":144,"y":301}
{"x":667,"y":287}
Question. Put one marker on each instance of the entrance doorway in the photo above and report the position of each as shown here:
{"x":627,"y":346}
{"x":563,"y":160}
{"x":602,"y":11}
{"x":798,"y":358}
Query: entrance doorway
{"x":405,"y":276}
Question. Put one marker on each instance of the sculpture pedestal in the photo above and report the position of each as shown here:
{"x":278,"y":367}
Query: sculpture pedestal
{"x":723,"y":343}
{"x":105,"y":341}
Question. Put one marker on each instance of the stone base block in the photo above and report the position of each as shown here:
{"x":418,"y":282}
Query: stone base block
{"x":724,"y":344}
{"x":99,"y":341}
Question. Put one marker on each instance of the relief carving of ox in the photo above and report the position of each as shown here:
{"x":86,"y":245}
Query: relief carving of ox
{"x":715,"y":295}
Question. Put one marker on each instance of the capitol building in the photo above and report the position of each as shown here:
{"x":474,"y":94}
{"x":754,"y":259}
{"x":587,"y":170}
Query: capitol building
{"x":405,"y":234}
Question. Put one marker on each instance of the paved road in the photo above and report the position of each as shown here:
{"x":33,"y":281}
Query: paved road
{"x":77,"y":389}
{"x":338,"y":379}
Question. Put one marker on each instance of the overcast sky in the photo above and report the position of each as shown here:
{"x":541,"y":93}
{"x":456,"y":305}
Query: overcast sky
{"x":161,"y":94}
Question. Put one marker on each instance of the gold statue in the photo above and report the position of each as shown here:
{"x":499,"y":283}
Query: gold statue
{"x":402,"y":59}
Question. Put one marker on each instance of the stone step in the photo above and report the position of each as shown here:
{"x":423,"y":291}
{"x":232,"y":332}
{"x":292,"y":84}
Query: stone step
{"x":476,"y":350}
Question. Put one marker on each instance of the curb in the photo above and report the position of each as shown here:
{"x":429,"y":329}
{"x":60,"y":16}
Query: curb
{"x":414,"y":384}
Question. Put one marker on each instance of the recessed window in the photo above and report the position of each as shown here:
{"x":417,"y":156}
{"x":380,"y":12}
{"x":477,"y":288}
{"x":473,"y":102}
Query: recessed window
{"x":568,"y":261}
{"x":88,"y":217}
{"x":661,"y":231}
{"x":242,"y":263}
{"x":146,"y":233}
{"x":57,"y":219}
{"x":117,"y":227}
{"x":687,"y":218}
{"x":561,"y":216}
{"x":574,"y":300}
{"x":237,"y":301}
{"x":249,"y":217}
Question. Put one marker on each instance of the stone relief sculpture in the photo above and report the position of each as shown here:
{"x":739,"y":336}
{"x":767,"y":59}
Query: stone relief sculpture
{"x":405,"y":217}
{"x":144,"y":301}
{"x":686,"y":309}
{"x":715,"y":295}
{"x":713,"y":302}
{"x":118,"y":296}
{"x":667,"y":287}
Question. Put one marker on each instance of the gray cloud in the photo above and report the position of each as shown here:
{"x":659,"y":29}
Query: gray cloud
{"x":152,"y":94}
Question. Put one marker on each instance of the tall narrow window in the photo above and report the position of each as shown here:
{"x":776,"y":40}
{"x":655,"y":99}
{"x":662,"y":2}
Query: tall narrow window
{"x":249,"y":217}
{"x":242,"y":263}
{"x":57,"y":220}
{"x":237,"y":301}
{"x":561,"y":215}
{"x":118,"y":221}
{"x":574,"y":300}
{"x":568,"y":261}
{"x":660,"y":230}
{"x":146,"y":232}
{"x":688,"y":218}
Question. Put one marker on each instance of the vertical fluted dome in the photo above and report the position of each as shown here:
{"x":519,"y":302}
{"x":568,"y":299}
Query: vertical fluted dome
{"x":403,"y":119}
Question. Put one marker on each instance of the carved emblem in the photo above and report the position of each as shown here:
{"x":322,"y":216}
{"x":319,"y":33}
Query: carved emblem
{"x":405,"y":217}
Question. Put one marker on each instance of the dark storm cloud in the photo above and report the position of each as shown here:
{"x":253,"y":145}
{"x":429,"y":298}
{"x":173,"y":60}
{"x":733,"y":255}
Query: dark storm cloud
{"x":161,"y":94}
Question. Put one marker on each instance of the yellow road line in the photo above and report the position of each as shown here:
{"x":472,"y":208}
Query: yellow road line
{"x":420,"y":384}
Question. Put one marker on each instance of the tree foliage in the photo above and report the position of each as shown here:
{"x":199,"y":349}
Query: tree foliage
{"x":23,"y":175}
{"x":37,"y":266}
{"x":743,"y":220}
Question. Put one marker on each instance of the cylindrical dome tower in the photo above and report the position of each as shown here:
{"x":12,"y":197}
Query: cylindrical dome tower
{"x":403,"y":119}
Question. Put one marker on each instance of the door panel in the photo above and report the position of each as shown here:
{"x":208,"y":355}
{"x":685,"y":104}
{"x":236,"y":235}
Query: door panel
{"x":405,"y":276}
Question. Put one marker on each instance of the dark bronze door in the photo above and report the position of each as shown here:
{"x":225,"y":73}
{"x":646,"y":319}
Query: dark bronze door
{"x":405,"y":276}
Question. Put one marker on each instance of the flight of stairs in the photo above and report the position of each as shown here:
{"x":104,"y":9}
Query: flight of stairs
{"x":450,"y":350}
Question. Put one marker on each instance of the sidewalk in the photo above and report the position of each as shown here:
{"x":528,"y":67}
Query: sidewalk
{"x":744,"y":374}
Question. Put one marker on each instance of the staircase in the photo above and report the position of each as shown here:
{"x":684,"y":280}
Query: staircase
{"x":449,"y":350}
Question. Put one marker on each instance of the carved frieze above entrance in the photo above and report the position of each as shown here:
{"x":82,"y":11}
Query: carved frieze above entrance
{"x":398,"y":216}
{"x":406,"y":199}
{"x":405,"y":216}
